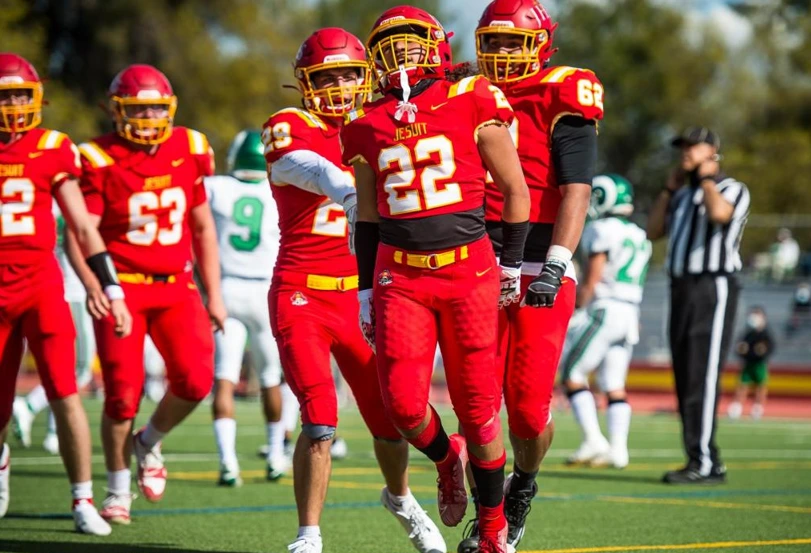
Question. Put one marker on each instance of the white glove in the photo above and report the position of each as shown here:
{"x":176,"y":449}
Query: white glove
{"x":351,"y":211}
{"x":366,"y":317}
{"x":510,"y":286}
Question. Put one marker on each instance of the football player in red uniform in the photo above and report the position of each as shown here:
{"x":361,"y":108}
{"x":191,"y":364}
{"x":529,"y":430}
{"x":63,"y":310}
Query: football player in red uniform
{"x":37,"y":165}
{"x":143,"y":184}
{"x":427,"y":272}
{"x":313,"y":308}
{"x":555,"y":129}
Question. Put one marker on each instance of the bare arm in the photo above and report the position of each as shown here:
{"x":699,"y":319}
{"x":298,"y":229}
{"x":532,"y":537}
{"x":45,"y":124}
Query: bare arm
{"x":83,"y":225}
{"x":501,"y":158}
{"x":594,"y":272}
{"x":719,"y":210}
{"x":367,"y":193}
{"x":658,"y":213}
{"x":204,"y":242}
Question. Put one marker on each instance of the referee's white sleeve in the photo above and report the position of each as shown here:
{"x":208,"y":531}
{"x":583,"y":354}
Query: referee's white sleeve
{"x":314,"y":173}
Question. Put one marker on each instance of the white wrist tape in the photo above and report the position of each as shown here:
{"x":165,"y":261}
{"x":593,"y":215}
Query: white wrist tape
{"x":559,"y":252}
{"x":114,"y":292}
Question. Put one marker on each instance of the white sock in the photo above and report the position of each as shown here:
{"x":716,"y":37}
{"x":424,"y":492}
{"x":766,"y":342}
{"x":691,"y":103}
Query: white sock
{"x":309,"y":532}
{"x":82,"y":490}
{"x":290,"y":409}
{"x":5,"y":451}
{"x":51,"y":423}
{"x":757,"y":411}
{"x":37,"y":400}
{"x":225,"y":432}
{"x":398,"y":499}
{"x":119,"y":481}
{"x":151,"y":436}
{"x":585,"y":413}
{"x":618,"y":417}
{"x":275,"y":432}
{"x":735,"y":410}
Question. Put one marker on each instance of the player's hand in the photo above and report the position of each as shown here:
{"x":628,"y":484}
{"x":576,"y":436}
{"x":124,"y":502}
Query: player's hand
{"x":544,"y":288}
{"x":351,"y":211}
{"x":217,"y":313}
{"x":122,"y":317}
{"x":675,"y":180}
{"x":366,"y":317}
{"x":98,"y":305}
{"x":510,"y":286}
{"x":707,"y":169}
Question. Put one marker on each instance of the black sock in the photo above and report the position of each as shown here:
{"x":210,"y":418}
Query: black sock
{"x":489,"y":485}
{"x":522,"y":480}
{"x":474,"y":496}
{"x":438,"y":448}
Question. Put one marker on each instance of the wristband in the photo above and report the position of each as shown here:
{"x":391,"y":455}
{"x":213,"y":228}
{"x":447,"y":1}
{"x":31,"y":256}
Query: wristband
{"x":114,"y":292}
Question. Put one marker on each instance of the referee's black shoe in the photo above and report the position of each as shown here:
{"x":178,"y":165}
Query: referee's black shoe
{"x":691,"y":475}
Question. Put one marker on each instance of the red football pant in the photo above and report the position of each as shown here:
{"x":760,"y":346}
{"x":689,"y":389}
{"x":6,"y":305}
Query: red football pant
{"x":309,"y":325}
{"x":530,"y":343}
{"x":33,"y":307}
{"x":174,"y":316}
{"x":455,"y":305}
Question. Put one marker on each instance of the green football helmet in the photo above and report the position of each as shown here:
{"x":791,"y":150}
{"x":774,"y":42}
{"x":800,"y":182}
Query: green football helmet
{"x":611,"y":195}
{"x":246,"y":157}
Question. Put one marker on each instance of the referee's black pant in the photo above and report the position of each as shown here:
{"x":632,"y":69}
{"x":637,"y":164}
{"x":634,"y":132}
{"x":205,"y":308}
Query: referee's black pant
{"x":702,"y":320}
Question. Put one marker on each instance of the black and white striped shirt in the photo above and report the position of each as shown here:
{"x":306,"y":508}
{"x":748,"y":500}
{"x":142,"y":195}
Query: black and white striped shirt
{"x":695,"y":244}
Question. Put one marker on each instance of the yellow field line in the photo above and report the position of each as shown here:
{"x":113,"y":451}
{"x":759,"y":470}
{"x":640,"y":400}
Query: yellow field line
{"x":712,"y":504}
{"x":677,"y":547}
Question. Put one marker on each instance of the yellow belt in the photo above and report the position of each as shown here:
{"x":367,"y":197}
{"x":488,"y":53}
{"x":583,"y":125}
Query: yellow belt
{"x":342,"y":284}
{"x":140,"y":278}
{"x":430,"y":261}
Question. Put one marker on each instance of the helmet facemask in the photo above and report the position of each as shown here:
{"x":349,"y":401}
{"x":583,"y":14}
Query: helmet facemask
{"x":406,"y":49}
{"x":507,"y":55}
{"x":146,"y":118}
{"x":335,"y":87}
{"x":16,"y":116}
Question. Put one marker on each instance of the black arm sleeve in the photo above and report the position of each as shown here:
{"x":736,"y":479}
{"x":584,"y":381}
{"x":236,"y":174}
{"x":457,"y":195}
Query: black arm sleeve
{"x":367,"y":238}
{"x":574,"y":149}
{"x":102,"y":266}
{"x":512,"y":248}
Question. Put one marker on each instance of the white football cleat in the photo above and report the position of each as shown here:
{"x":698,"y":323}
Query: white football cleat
{"x":5,"y":471}
{"x":51,"y":443}
{"x":229,"y":477}
{"x":23,"y":420}
{"x":591,"y":453}
{"x":87,"y":519}
{"x":116,"y":508}
{"x":619,"y":457}
{"x":735,"y":410}
{"x":151,"y":471}
{"x":277,"y":467}
{"x":422,"y":531}
{"x":338,"y":450}
{"x":306,"y":545}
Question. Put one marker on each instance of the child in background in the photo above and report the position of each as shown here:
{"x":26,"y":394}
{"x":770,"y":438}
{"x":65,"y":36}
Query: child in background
{"x":754,"y":348}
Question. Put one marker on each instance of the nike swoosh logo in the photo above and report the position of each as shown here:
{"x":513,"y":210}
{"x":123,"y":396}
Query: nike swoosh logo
{"x":178,"y":162}
{"x":32,"y":155}
{"x":482,"y":273}
{"x":438,"y":106}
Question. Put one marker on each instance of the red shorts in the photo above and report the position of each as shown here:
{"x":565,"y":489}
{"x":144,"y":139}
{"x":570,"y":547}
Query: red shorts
{"x":455,"y":305}
{"x":174,"y":316}
{"x":529,"y":349}
{"x":308,"y":325}
{"x":33,"y":307}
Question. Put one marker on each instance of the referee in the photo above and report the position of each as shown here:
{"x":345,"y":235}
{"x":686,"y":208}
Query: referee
{"x":703,"y":212}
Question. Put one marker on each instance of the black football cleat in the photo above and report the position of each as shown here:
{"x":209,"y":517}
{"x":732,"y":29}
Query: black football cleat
{"x":517,"y":505}
{"x":691,"y":475}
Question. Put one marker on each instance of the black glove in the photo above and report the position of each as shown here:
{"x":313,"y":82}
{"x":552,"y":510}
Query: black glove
{"x":544,"y":288}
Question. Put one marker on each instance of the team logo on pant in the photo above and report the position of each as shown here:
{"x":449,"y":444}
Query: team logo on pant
{"x":298,"y":299}
{"x":384,"y":277}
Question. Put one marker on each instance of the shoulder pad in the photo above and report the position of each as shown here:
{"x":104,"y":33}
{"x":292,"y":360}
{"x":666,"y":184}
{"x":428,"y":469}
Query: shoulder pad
{"x":464,"y":86}
{"x":311,"y":120}
{"x":198,"y":143}
{"x":559,"y":74}
{"x":51,"y":140}
{"x":95,"y":155}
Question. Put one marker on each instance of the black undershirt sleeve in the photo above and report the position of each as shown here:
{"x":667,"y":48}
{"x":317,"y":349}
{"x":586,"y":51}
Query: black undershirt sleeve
{"x":574,"y":149}
{"x":367,"y":238}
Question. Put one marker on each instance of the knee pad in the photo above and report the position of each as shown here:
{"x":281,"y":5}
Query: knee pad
{"x":196,"y":386}
{"x":403,"y":416}
{"x":529,"y":423}
{"x":120,"y":409}
{"x":318,"y":432}
{"x":482,"y":434}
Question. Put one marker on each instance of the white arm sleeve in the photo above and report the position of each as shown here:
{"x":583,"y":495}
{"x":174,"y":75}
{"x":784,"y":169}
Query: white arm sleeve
{"x":314,"y":173}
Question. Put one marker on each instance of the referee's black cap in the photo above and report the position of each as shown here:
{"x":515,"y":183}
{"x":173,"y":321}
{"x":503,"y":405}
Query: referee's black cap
{"x":697,"y":135}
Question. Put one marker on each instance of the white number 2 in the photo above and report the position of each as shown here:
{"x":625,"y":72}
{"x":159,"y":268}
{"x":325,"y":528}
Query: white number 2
{"x":144,"y":227}
{"x":329,"y":217}
{"x":401,"y":197}
{"x":17,"y":199}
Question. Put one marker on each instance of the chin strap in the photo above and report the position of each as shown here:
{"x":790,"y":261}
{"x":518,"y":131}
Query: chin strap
{"x":405,"y":109}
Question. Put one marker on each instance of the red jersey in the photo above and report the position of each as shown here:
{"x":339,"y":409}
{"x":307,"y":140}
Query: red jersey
{"x":144,"y":199}
{"x":31,"y":169}
{"x":539,"y":102}
{"x":427,"y":164}
{"x":312,"y":226}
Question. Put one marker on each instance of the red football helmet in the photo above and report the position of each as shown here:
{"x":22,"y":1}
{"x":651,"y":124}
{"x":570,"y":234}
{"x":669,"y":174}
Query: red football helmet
{"x":142,"y":104}
{"x":407,"y":29}
{"x":330,"y":49}
{"x":522,"y":25}
{"x":17,"y":76}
